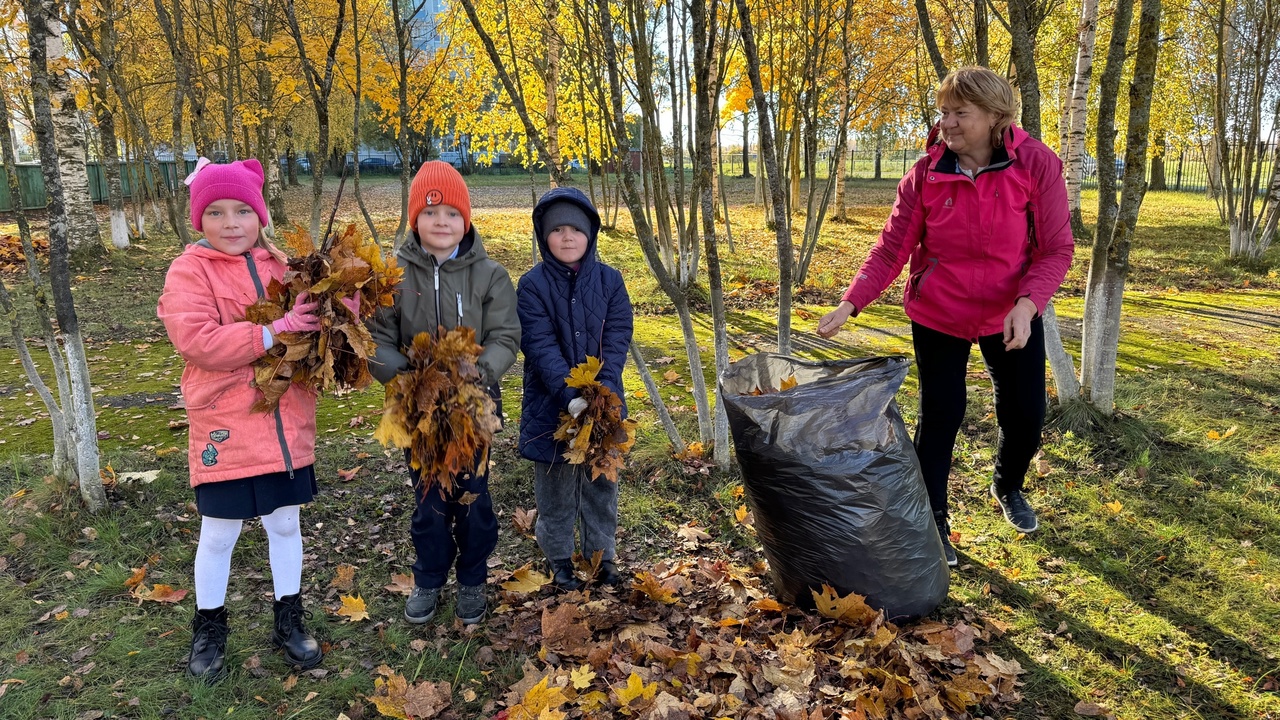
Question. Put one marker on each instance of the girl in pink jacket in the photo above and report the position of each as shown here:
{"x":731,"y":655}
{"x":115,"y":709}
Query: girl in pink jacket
{"x":243,"y":464}
{"x":983,"y":221}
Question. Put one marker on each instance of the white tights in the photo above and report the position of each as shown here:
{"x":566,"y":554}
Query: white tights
{"x":218,"y":538}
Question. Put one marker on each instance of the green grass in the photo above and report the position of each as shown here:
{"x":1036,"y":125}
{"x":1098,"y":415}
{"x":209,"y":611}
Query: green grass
{"x":1153,"y":588}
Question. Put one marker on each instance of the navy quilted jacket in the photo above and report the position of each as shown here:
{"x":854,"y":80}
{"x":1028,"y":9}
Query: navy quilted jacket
{"x":566,"y":315}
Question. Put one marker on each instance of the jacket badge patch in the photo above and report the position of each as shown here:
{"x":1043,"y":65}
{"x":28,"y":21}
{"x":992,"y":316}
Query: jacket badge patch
{"x":949,"y":202}
{"x":219,"y":436}
{"x":210,"y":455}
{"x":434,"y":197}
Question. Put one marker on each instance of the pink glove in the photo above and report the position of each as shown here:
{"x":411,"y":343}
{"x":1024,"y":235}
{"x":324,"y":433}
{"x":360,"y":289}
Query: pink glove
{"x":300,"y":319}
{"x":352,"y":304}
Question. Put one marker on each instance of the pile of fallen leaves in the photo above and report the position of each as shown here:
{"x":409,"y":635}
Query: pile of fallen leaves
{"x":438,"y":409}
{"x":337,"y":355}
{"x":12,"y":257}
{"x":702,"y":638}
{"x":599,"y":436}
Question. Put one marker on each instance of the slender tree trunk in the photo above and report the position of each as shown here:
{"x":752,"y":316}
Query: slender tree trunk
{"x":705,"y":32}
{"x":644,"y":231}
{"x":551,"y":38}
{"x":655,"y":393}
{"x":930,"y":40}
{"x":320,"y":86}
{"x":782,"y":227}
{"x":358,"y":98}
{"x":263,"y":30}
{"x":82,"y":428}
{"x":1107,"y":274}
{"x":1079,"y":113}
{"x":1022,"y":30}
{"x":746,"y":144}
{"x":982,"y":51}
{"x":64,"y":466}
{"x":83,"y":233}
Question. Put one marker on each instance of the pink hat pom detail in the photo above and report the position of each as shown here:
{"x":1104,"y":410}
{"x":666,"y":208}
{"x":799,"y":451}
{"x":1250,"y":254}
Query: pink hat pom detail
{"x":240,"y":180}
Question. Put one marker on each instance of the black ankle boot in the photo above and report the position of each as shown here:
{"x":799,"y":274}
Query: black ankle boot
{"x":208,"y":645}
{"x":562,"y":575}
{"x":608,"y":574}
{"x":300,"y":649}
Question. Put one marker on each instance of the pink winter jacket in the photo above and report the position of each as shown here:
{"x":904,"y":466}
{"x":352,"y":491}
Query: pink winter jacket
{"x":971,"y":254}
{"x":205,"y":296}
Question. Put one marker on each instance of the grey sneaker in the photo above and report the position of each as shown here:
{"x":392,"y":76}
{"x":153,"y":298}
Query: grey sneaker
{"x":421,"y":605}
{"x":471,"y":605}
{"x":944,"y":531}
{"x":1016,"y":510}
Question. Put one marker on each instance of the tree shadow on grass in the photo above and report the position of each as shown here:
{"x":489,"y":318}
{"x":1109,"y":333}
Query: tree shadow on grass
{"x":1056,"y":699}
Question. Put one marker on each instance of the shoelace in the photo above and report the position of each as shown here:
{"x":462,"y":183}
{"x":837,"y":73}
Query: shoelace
{"x":215,"y":632}
{"x":294,"y":616}
{"x":1017,"y":503}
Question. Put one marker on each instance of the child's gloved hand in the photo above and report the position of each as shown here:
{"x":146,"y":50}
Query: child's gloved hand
{"x":352,"y":304}
{"x":576,"y":406}
{"x":300,"y":319}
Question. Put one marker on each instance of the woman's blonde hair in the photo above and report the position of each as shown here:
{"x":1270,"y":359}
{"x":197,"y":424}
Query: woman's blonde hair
{"x":985,"y":89}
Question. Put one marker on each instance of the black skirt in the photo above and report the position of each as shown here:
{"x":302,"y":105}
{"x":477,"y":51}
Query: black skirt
{"x":256,"y":496}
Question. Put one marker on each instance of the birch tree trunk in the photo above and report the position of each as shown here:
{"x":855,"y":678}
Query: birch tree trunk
{"x":1079,"y":113}
{"x":82,"y":428}
{"x":1105,"y":291}
{"x":782,"y":227}
{"x":63,"y":453}
{"x":82,"y":231}
{"x":705,"y":31}
{"x":263,"y":29}
{"x":644,"y":231}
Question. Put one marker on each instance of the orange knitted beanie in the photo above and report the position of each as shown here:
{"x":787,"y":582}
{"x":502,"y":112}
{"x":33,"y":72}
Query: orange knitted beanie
{"x":438,"y":183}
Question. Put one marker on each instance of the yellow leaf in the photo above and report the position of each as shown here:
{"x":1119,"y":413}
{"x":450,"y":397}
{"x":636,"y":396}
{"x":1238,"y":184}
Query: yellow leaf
{"x":582,"y":677}
{"x":671,"y":376}
{"x":537,"y":701}
{"x":635,"y":688}
{"x":789,"y":383}
{"x":343,"y":577}
{"x":852,"y":609}
{"x":525,"y":580}
{"x":740,"y":514}
{"x":136,"y":577}
{"x":389,"y":696}
{"x":646,"y":583}
{"x":62,"y":615}
{"x":159,"y":593}
{"x":1114,"y":506}
{"x":1213,"y":435}
{"x":584,"y":374}
{"x":353,"y":608}
{"x":1230,"y":431}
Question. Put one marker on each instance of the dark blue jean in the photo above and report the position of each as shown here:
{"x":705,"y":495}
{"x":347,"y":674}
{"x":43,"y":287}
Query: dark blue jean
{"x":444,"y":529}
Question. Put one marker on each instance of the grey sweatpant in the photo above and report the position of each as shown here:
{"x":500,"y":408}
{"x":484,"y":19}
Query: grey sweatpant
{"x":566,"y":497}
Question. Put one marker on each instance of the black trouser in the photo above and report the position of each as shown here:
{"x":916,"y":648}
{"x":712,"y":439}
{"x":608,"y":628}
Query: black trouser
{"x":452,"y":526}
{"x":1019,"y":380}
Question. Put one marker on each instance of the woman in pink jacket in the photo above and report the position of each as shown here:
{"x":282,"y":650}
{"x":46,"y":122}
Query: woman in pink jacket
{"x":983,"y":220}
{"x":244,"y":464}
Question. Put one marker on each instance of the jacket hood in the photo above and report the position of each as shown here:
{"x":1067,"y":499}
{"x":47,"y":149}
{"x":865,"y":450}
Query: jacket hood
{"x":1013,"y":137}
{"x":470,"y":251}
{"x":575,"y":196}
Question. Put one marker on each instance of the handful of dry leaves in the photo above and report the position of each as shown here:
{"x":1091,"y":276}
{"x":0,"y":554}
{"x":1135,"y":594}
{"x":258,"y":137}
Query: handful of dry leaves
{"x":438,"y":409}
{"x":598,"y":436}
{"x":336,"y":355}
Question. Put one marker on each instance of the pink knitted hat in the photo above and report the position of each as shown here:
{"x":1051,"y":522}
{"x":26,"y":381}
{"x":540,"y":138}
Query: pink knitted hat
{"x":240,"y":180}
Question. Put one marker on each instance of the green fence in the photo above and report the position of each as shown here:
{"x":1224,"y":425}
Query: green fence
{"x":31,"y":183}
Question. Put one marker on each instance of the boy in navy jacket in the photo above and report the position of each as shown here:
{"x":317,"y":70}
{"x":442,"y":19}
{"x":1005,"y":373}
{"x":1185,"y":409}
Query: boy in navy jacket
{"x":571,"y":306}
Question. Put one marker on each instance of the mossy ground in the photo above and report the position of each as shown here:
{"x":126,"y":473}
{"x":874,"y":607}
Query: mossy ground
{"x":1153,"y":588}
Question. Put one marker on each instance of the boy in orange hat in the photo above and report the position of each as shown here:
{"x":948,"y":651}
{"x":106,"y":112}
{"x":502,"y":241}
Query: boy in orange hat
{"x":449,"y":281}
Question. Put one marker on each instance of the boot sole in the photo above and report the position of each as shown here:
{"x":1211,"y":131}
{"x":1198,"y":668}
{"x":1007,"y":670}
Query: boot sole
{"x":472,"y":620}
{"x":420,"y":620}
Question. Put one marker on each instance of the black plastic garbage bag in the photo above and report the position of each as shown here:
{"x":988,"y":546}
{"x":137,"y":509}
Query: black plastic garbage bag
{"x":833,"y":481}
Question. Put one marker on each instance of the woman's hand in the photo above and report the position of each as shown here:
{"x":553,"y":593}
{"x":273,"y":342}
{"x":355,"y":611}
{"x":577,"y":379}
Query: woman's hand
{"x":1017,"y":324}
{"x":830,"y":323}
